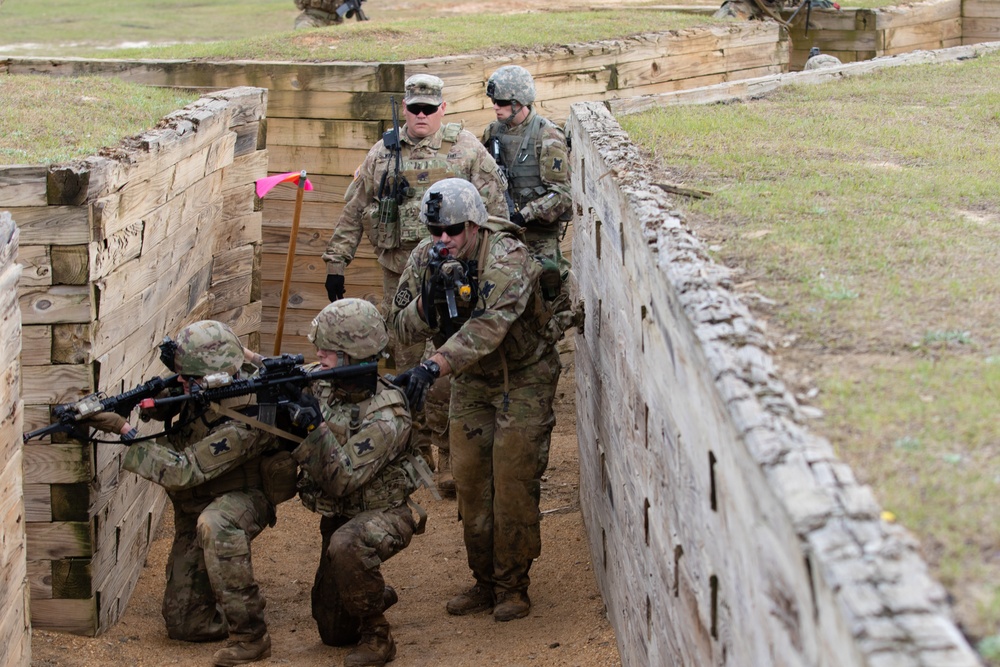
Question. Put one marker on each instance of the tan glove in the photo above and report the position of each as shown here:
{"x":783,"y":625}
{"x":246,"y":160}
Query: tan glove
{"x":111,"y":422}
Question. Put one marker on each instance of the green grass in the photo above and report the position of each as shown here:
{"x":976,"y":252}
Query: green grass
{"x":223,"y":29}
{"x":104,"y":111}
{"x":868,"y":211}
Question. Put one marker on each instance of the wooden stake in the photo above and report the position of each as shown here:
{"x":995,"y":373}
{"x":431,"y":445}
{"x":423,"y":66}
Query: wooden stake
{"x":286,"y":284}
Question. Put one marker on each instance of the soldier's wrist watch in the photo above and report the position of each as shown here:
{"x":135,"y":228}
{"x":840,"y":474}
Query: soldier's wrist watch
{"x":432,"y":367}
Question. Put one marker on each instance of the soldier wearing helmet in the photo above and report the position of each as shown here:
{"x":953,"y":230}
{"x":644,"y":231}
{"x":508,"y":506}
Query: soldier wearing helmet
{"x":215,"y":472}
{"x":429,"y":151}
{"x":321,"y":13}
{"x":532,"y":150}
{"x":499,"y":349}
{"x":357,"y":471}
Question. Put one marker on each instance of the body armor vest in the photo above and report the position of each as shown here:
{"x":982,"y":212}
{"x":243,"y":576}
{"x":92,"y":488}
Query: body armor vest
{"x":520,"y":154}
{"x":421,"y":174}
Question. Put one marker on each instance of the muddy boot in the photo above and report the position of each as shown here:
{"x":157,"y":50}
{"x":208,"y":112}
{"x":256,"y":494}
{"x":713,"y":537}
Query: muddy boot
{"x":238,"y":653}
{"x":389,"y":597}
{"x":376,"y":646}
{"x":511,"y":605}
{"x":477,"y":598}
{"x":444,"y":480}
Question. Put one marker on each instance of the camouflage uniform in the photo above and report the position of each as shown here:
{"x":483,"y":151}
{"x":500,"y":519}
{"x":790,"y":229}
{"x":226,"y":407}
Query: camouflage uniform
{"x":450,"y":152}
{"x":317,"y":13}
{"x":357,"y":471}
{"x":505,"y":371}
{"x":212,"y":471}
{"x":535,"y":155}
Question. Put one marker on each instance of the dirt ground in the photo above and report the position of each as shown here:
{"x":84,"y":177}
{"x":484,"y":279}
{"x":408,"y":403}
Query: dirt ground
{"x":567,"y":625}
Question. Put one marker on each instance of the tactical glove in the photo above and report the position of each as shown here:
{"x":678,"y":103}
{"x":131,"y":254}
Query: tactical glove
{"x":335,"y":287}
{"x":305,"y":414}
{"x":418,"y":381}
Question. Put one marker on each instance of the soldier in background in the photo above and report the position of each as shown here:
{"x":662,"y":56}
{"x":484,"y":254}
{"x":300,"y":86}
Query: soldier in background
{"x":534,"y":154}
{"x":502,"y":357}
{"x":429,"y":152}
{"x":215,"y":472}
{"x":321,"y":13}
{"x":357,"y":471}
{"x":532,"y":150}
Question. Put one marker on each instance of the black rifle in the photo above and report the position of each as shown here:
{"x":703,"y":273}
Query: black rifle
{"x":446,"y":278}
{"x":497,"y":153}
{"x":69,"y":415}
{"x":392,"y":194}
{"x":279,"y":383}
{"x":351,"y":8}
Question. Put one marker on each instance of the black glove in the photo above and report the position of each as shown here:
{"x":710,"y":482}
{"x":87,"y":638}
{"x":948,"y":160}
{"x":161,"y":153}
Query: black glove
{"x":335,"y":287}
{"x":418,"y":381}
{"x":304,"y":414}
{"x":517,"y":219}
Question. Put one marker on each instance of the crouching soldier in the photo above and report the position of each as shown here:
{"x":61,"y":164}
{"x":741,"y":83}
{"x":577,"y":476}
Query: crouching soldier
{"x":357,"y":471}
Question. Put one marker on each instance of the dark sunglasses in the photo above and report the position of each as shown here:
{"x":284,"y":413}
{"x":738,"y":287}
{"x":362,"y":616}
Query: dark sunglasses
{"x":425,"y":109}
{"x":450,"y":230}
{"x":502,"y":103}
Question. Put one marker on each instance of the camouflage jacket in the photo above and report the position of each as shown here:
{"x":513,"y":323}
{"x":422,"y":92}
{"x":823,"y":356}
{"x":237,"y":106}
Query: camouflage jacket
{"x":203,"y":459}
{"x":424,"y":164}
{"x":536,"y":158}
{"x":355,"y":460}
{"x":509,"y":316}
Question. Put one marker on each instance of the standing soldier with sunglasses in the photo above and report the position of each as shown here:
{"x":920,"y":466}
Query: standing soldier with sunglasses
{"x":387,"y":209}
{"x":473,"y":288}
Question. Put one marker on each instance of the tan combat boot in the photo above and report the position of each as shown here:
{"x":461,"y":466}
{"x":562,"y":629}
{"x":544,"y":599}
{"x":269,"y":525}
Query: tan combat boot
{"x":238,"y":653}
{"x":477,"y":598}
{"x":376,"y":646}
{"x":445,"y":481}
{"x":511,"y":605}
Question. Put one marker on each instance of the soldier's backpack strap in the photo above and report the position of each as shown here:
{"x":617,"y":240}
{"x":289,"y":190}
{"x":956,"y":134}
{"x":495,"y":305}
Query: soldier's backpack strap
{"x":450,"y":135}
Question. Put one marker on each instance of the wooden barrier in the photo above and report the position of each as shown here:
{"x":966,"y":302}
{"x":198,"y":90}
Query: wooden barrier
{"x":15,"y":629}
{"x":323,"y":118}
{"x":980,"y":21}
{"x":120,"y":250}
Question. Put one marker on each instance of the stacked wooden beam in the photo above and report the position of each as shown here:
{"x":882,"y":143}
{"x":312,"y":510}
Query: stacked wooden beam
{"x":15,"y":631}
{"x":323,"y":118}
{"x":980,"y":21}
{"x":862,"y":34}
{"x":120,"y":250}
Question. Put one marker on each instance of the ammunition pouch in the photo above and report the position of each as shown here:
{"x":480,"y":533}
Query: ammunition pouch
{"x":385,"y":227}
{"x":550,"y":280}
{"x":279,"y":474}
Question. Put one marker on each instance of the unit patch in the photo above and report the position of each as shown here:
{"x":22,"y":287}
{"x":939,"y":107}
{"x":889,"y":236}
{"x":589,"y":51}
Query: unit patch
{"x":220,"y":447}
{"x":363,"y":447}
{"x":403,"y":297}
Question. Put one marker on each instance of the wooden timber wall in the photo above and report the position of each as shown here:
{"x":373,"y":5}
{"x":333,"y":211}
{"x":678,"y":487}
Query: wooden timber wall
{"x":323,"y":118}
{"x":15,"y":629}
{"x":120,"y":250}
{"x":862,"y":34}
{"x":722,"y":531}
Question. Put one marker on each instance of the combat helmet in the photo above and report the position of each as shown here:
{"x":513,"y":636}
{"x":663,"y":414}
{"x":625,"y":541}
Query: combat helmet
{"x":353,"y":326}
{"x":452,"y":201}
{"x":511,"y":82}
{"x":207,"y":347}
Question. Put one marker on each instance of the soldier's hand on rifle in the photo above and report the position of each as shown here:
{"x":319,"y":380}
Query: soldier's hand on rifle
{"x":112,"y":422}
{"x":305,"y":414}
{"x":335,"y":287}
{"x":418,"y":381}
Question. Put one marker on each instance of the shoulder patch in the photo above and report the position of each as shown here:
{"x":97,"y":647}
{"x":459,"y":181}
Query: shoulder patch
{"x":403,"y":297}
{"x":487,"y":289}
{"x":363,"y":447}
{"x":220,"y":447}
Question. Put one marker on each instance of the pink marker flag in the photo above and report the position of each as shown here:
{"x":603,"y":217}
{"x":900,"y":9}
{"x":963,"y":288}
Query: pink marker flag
{"x":264,"y":185}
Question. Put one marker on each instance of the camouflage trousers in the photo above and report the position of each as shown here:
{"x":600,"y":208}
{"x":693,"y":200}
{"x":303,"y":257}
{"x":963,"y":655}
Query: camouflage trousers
{"x":497,"y":459}
{"x":349,"y":584}
{"x":211,"y":592}
{"x":430,"y":427}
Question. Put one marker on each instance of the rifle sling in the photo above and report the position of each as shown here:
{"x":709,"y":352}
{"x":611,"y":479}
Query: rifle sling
{"x":256,"y":423}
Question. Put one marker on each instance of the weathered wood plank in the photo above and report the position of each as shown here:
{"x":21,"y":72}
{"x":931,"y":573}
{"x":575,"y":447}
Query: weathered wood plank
{"x":55,"y":305}
{"x":329,"y":105}
{"x":244,"y":170}
{"x":327,"y":189}
{"x":52,"y":225}
{"x":74,"y":616}
{"x":60,"y":383}
{"x":70,"y":265}
{"x":23,"y":185}
{"x":54,"y":541}
{"x":37,"y":265}
{"x":278,"y":214}
{"x":36,"y":345}
{"x":37,"y":502}
{"x":906,"y":38}
{"x":918,"y":13}
{"x":341,"y":162}
{"x":234,"y":263}
{"x":360,"y":135}
{"x":987,"y":9}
